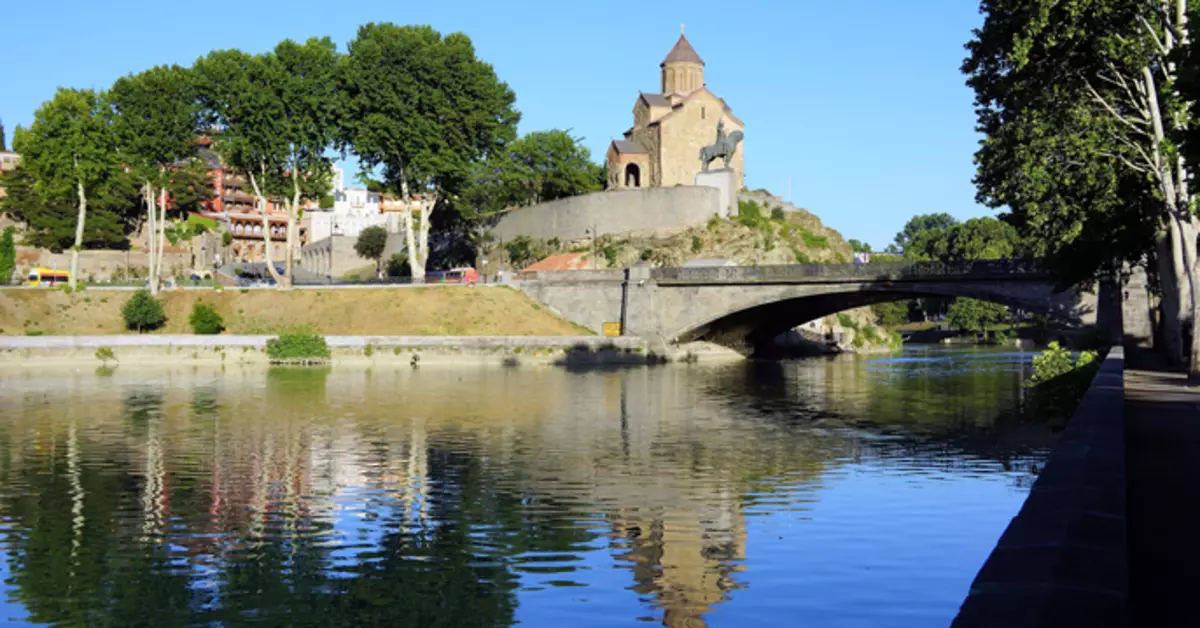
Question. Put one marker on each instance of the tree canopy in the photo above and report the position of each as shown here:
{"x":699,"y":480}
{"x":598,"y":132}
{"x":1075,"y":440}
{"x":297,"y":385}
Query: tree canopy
{"x":921,"y":223}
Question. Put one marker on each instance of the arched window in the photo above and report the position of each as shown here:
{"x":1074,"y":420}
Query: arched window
{"x":633,"y":176}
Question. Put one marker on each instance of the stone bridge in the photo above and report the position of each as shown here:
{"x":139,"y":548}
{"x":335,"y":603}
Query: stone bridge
{"x":745,"y":307}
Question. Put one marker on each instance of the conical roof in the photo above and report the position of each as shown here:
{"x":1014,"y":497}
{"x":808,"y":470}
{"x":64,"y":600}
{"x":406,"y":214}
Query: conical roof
{"x":683,"y":52}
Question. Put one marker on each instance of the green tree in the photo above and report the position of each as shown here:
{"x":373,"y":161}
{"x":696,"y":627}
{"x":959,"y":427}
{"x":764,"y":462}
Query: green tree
{"x":143,"y":312}
{"x":370,"y":244}
{"x":974,"y":315}
{"x":423,"y":109}
{"x":8,"y":256}
{"x":68,"y":150}
{"x":50,"y":220}
{"x":1078,"y":103}
{"x":921,"y":223}
{"x":539,"y":167}
{"x":976,"y":239}
{"x":859,"y":247}
{"x":155,"y":127}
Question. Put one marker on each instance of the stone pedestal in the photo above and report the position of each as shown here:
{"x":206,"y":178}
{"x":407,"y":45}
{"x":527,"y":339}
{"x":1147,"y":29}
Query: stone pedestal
{"x":725,"y":180}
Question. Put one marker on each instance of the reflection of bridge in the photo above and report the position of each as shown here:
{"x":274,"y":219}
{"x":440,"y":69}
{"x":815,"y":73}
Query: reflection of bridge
{"x":743,"y":307}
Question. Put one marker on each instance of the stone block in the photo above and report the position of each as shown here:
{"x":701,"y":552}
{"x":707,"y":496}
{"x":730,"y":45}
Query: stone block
{"x":724,"y":180}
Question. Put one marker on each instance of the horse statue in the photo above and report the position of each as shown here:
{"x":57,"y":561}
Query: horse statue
{"x":724,"y":147}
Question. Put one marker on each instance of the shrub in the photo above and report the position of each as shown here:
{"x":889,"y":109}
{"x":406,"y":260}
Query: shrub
{"x":8,"y":256}
{"x":697,"y":244}
{"x":298,"y":348}
{"x":104,"y":354}
{"x":845,"y":321}
{"x":646,"y":255}
{"x":143,"y":312}
{"x":801,"y":256}
{"x":205,"y":320}
{"x":714,"y":223}
{"x":610,"y":253}
{"x":777,"y":214}
{"x":814,"y":241}
{"x":1059,"y":382}
{"x":397,"y":265}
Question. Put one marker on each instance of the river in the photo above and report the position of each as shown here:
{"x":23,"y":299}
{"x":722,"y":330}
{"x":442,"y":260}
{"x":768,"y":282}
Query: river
{"x":825,"y":492}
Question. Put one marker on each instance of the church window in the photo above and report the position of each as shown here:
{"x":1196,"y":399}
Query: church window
{"x":702,"y":113}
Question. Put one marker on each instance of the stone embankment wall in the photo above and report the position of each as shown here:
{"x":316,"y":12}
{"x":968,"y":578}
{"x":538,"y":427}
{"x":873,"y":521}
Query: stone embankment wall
{"x":612,"y":211}
{"x":100,"y":265}
{"x":1063,"y":561}
{"x":406,"y":350}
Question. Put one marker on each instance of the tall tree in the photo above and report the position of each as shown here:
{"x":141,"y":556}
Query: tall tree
{"x":308,"y":90}
{"x":49,"y":221}
{"x":3,"y":140}
{"x":70,"y":150}
{"x":923,"y":222}
{"x":423,"y":109}
{"x":156,"y":126}
{"x":275,"y":118}
{"x":1078,"y":104}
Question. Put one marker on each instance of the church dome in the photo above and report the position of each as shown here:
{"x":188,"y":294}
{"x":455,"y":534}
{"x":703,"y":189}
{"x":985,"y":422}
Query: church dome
{"x":683,"y":52}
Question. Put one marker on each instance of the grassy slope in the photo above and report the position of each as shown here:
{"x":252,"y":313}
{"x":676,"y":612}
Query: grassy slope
{"x":442,"y":311}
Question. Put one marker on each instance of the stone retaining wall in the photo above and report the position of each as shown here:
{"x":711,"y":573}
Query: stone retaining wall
{"x":612,"y":211}
{"x":1063,"y":560}
{"x":246,"y":349}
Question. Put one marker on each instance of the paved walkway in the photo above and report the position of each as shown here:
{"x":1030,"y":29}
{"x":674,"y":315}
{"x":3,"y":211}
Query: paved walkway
{"x":1163,"y":471}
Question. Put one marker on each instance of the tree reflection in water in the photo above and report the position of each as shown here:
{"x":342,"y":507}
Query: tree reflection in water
{"x":438,"y":497}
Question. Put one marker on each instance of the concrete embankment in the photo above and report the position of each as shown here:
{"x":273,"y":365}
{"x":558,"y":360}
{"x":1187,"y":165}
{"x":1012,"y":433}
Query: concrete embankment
{"x":421,"y":350}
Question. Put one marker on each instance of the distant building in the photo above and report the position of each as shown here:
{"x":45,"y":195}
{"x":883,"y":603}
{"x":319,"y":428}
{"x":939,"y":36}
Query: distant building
{"x":862,"y":257}
{"x":354,"y":209}
{"x":662,"y":148}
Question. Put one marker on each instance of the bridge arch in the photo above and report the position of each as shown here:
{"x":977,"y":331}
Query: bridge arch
{"x":757,"y":315}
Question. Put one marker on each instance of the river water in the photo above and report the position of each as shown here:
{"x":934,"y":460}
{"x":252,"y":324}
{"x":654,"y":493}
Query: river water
{"x":825,"y":492}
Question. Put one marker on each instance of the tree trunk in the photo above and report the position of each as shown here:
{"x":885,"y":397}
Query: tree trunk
{"x":151,"y":235}
{"x":423,"y":234}
{"x":293,"y":211}
{"x":1172,"y":333}
{"x":415,"y":263}
{"x":78,"y":233}
{"x":162,"y":232}
{"x":262,"y":205}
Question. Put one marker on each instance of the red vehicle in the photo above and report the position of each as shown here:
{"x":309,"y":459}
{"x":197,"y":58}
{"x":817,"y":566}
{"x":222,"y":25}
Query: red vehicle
{"x":468,"y":276}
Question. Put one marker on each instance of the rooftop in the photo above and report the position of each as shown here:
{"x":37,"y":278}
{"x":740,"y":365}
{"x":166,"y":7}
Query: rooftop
{"x":683,"y":53}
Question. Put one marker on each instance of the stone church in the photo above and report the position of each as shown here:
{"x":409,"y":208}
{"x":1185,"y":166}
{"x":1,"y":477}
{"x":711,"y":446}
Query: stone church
{"x":662,"y":149}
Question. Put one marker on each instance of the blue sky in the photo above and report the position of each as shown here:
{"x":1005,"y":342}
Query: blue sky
{"x":860,"y":102}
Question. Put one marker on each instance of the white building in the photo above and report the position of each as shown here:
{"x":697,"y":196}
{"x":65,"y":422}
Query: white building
{"x":354,"y":209}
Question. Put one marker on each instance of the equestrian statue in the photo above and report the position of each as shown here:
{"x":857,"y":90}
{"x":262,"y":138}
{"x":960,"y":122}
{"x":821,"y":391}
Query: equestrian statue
{"x":725,"y":147}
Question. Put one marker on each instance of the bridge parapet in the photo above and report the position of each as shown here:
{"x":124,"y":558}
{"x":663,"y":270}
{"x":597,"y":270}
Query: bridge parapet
{"x":878,"y":271}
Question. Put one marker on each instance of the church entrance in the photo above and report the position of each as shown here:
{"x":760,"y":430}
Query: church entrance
{"x":633,"y":176}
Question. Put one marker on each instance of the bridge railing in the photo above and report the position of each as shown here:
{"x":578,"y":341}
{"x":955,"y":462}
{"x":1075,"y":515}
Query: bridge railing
{"x":878,"y":270}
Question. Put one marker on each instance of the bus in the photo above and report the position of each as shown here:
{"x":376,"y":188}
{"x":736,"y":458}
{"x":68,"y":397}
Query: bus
{"x":47,"y":278}
{"x":468,"y":276}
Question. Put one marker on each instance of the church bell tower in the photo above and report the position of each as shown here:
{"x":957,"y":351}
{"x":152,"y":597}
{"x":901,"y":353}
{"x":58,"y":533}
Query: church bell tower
{"x":682,"y":70}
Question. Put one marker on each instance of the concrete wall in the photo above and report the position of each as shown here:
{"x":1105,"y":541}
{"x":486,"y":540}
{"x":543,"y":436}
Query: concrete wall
{"x":101,"y":265}
{"x":613,"y":211}
{"x":335,"y":256}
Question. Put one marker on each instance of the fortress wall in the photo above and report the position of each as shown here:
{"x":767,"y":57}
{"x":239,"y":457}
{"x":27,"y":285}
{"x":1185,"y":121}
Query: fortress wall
{"x":612,"y":211}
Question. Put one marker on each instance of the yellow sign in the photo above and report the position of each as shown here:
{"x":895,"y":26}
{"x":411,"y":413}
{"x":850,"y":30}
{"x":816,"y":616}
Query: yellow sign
{"x":611,"y":329}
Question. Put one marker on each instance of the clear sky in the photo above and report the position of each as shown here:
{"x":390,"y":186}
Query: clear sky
{"x":860,"y":103}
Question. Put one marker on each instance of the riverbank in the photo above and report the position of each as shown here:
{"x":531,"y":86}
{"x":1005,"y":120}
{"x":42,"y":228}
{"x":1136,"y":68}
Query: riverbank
{"x":360,"y":350}
{"x":433,"y":311}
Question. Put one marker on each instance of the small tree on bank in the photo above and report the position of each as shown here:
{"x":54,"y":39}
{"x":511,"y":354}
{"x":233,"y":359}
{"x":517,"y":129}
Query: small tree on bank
{"x":143,"y":312}
{"x":370,"y":244}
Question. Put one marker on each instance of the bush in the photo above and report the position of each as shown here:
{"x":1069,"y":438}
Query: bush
{"x":646,"y":255}
{"x":397,"y":265}
{"x":205,"y":320}
{"x":610,"y":253}
{"x":777,"y":214}
{"x":298,"y":348}
{"x":143,"y":312}
{"x":814,"y":241}
{"x":697,"y":244}
{"x":714,"y":223}
{"x":801,"y":256}
{"x":104,"y":354}
{"x":1059,"y":382}
{"x":8,"y":256}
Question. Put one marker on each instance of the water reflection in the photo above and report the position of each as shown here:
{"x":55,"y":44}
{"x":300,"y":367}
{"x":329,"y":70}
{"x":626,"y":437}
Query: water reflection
{"x":483,"y":497}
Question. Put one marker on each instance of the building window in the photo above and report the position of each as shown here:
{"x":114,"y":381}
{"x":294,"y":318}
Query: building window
{"x":702,"y":112}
